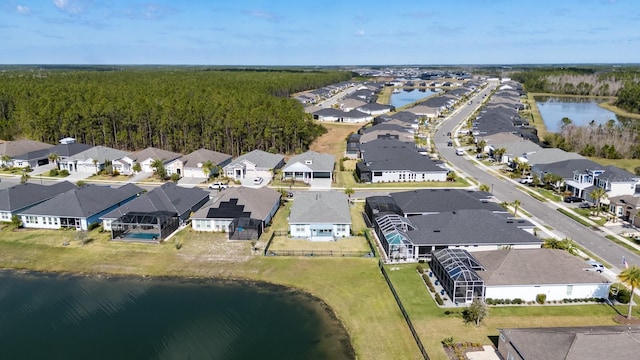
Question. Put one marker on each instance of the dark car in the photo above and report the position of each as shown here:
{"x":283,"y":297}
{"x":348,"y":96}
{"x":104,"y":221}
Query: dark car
{"x":585,"y":205}
{"x":449,"y":143}
{"x":573,"y":199}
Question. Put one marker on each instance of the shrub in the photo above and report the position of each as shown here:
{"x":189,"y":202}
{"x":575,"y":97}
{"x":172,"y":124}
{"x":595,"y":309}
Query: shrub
{"x":439,"y":299}
{"x":115,"y":173}
{"x":624,"y":296}
{"x":517,"y":301}
{"x":54,"y":172}
{"x":64,"y":172}
{"x":448,"y":341}
{"x":541,"y":298}
{"x":489,"y":301}
{"x":428,"y":282}
{"x":420,"y":269}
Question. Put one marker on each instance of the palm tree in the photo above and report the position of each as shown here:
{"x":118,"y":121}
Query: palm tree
{"x":24,"y":178}
{"x":598,"y":195}
{"x":451,"y":176}
{"x":484,"y":187}
{"x":499,"y":153}
{"x":136,"y":167}
{"x":54,"y":158}
{"x":207,"y":168}
{"x":95,"y":163}
{"x":349,"y":191}
{"x":516,"y":204}
{"x":481,"y":145}
{"x":5,"y":159}
{"x":158,"y":166}
{"x":631,"y":277}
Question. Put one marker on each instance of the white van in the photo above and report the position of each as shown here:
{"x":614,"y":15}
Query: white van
{"x":459,"y":152}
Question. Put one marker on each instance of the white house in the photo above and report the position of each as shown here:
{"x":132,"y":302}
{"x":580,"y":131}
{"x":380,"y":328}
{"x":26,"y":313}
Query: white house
{"x":93,"y":159}
{"x":320,"y":216}
{"x":191,"y":165}
{"x":252,"y":163}
{"x":308,"y":166}
{"x":145,"y":158}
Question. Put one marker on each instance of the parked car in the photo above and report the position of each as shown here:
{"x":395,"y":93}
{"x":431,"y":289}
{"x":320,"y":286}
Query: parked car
{"x":218,"y":186}
{"x":573,"y":199}
{"x":594,"y":266}
{"x":459,"y":152}
{"x":526,"y":180}
{"x":258,"y":180}
{"x":585,"y":205}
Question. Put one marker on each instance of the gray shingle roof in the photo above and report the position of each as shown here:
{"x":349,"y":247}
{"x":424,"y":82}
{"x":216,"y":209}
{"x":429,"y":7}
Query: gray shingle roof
{"x":534,"y":267}
{"x":443,"y":200}
{"x":68,"y":150}
{"x":19,"y":147}
{"x":470,"y":227}
{"x":154,"y":153}
{"x":84,"y":202}
{"x":567,"y":167}
{"x":325,"y":207}
{"x":576,"y":343}
{"x":257,"y":201}
{"x":99,"y":153}
{"x":319,"y":162}
{"x":203,"y":155}
{"x":20,"y":196}
{"x":261,"y":159}
{"x":386,"y":154}
{"x":168,"y":197}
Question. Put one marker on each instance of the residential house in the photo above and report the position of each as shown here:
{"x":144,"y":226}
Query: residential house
{"x":417,"y":237}
{"x":162,"y":210}
{"x":78,"y":208}
{"x":320,"y":216}
{"x":350,"y":103}
{"x":435,"y":201}
{"x":13,"y":149}
{"x":353,"y":146}
{"x":389,"y":129}
{"x":375,"y":109}
{"x":626,"y":208}
{"x":190,"y":165}
{"x":308,"y":166}
{"x":68,"y":148}
{"x":585,"y":343}
{"x":145,"y":158}
{"x":242,"y":212}
{"x":328,"y":115}
{"x":515,"y":274}
{"x":566,"y":169}
{"x":92,"y":160}
{"x":21,"y":197}
{"x":355,"y":116}
{"x":252,"y":163}
{"x":425,"y":111}
{"x":391,"y":160}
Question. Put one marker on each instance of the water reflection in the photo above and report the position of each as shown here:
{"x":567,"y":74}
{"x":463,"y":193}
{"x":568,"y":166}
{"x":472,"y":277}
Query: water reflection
{"x":581,"y":111}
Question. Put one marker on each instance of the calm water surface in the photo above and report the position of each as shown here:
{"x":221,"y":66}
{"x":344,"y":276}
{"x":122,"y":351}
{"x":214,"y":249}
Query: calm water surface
{"x":68,"y":317}
{"x":581,"y":111}
{"x":408,"y":96}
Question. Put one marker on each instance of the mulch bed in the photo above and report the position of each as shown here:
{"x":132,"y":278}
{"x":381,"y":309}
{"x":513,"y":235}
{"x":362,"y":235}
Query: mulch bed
{"x":621,"y":319}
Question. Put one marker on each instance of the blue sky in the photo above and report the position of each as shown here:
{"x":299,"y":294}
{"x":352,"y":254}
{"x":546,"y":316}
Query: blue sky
{"x":319,"y":32}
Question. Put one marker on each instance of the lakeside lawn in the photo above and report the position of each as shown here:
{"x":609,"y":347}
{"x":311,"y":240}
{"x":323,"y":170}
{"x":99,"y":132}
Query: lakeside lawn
{"x":353,"y":287}
{"x":433,"y":325}
{"x":628,"y":164}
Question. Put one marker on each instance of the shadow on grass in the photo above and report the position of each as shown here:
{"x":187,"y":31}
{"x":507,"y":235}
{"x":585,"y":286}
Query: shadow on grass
{"x":494,"y":340}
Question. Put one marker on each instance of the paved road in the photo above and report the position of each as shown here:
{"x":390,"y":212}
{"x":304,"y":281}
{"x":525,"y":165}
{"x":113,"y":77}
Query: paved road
{"x":543,"y":212}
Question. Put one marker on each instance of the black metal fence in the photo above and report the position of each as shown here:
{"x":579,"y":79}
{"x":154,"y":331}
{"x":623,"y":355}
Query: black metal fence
{"x":404,"y":312}
{"x":329,"y":253}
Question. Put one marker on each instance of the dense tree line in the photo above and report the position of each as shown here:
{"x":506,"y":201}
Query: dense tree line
{"x":629,"y":97}
{"x":175,"y":109}
{"x":577,"y":81}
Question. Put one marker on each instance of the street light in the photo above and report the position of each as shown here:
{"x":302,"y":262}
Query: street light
{"x":491,"y":188}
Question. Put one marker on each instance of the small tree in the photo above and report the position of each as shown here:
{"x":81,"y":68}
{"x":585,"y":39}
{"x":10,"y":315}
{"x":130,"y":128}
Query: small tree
{"x":175,"y":178}
{"x":598,"y":195}
{"x":54,"y":158}
{"x":207,"y":168}
{"x":451,"y":176}
{"x":475,"y":312}
{"x":631,"y":277}
{"x":136,"y":167}
{"x":349,"y":191}
{"x":95,"y":163}
{"x":5,"y":160}
{"x":83,"y":237}
{"x":516,"y":205}
{"x":484,"y":187}
{"x":16,"y":222}
{"x":24,"y":178}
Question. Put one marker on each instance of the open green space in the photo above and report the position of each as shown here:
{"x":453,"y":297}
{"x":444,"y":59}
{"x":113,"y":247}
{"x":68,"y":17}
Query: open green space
{"x":433,"y":325}
{"x":628,"y":164}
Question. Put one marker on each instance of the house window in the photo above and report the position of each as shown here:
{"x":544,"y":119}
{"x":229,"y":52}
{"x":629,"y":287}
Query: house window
{"x":502,"y":337}
{"x":341,"y":227}
{"x":377,"y":173}
{"x":569,"y":289}
{"x":300,"y":228}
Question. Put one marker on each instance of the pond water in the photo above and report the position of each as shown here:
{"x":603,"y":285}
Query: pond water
{"x":407,"y":96}
{"x":581,"y":111}
{"x":69,"y":317}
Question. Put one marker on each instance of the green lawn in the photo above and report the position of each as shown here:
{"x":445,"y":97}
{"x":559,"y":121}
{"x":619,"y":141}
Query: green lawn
{"x":628,"y":164}
{"x":433,"y":325}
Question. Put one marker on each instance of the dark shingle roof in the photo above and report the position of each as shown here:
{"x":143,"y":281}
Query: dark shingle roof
{"x":469,"y":227}
{"x":567,"y":167}
{"x":387,"y":154}
{"x":168,"y":197}
{"x":443,"y":200}
{"x":20,"y":196}
{"x":258,"y":202}
{"x":85,"y":201}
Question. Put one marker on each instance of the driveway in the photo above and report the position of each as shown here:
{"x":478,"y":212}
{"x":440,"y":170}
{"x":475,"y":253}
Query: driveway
{"x":248,"y":181}
{"x":320,"y":184}
{"x":190,"y":181}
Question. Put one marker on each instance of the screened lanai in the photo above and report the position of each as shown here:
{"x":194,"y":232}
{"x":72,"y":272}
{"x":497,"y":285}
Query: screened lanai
{"x":392,"y":232}
{"x":456,"y":269}
{"x":144,"y":226}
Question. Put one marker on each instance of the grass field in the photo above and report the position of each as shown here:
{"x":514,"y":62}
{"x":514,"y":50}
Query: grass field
{"x":352,"y":287}
{"x":433,"y":325}
{"x":334,"y":141}
{"x":628,"y":164}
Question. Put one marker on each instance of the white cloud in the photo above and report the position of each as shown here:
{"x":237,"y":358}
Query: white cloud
{"x":69,"y":6}
{"x":23,"y":9}
{"x":360,"y":32}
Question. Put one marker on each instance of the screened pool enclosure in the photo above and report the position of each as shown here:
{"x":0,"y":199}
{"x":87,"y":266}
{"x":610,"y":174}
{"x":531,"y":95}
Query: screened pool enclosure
{"x":456,"y":269}
{"x":145,"y":226}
